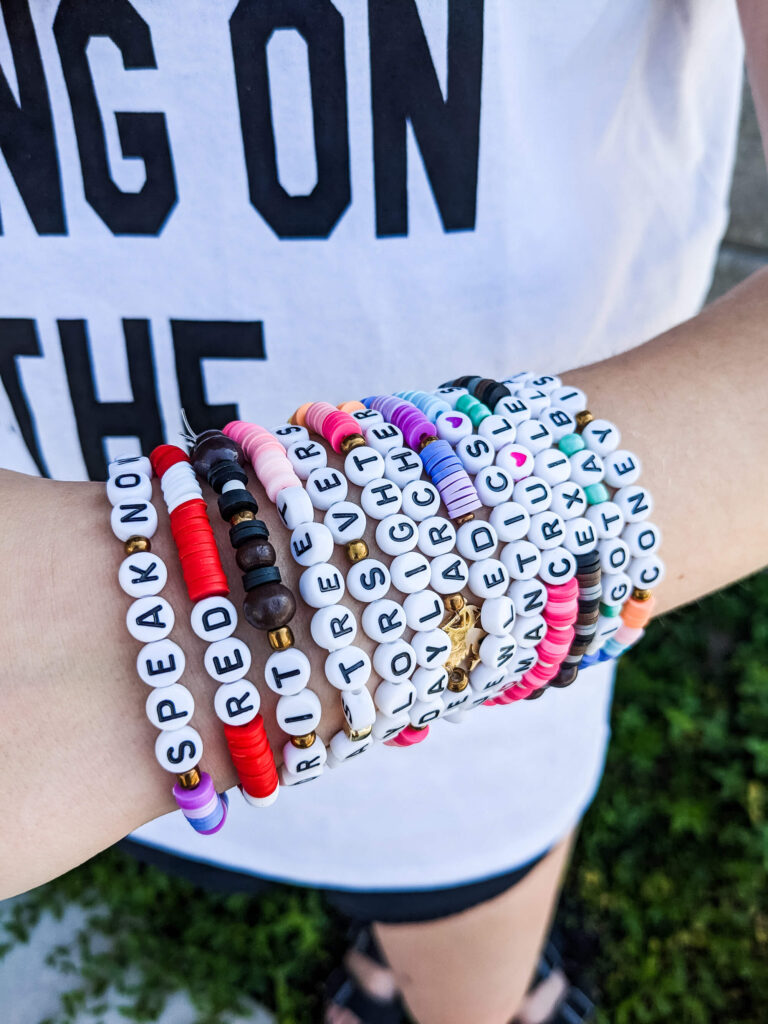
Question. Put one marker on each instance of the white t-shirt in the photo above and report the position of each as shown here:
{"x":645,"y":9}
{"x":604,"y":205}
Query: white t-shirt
{"x":249,"y":205}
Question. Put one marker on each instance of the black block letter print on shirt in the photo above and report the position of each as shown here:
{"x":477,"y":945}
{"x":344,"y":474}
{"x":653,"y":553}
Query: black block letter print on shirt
{"x":19,"y":338}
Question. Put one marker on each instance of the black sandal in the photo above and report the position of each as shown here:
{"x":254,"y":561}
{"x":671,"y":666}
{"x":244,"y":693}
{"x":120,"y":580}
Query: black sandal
{"x":574,"y":1006}
{"x":343,"y":989}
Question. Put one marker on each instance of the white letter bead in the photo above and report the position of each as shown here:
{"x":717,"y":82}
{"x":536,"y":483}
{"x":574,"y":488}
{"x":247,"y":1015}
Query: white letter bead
{"x":307,"y":456}
{"x":226,"y":660}
{"x":622,"y":468}
{"x":170,"y":707}
{"x":290,"y":433}
{"x":392,"y":699}
{"x":437,"y":535}
{"x":607,"y":625}
{"x":135,"y":463}
{"x":571,"y":399}
{"x":498,"y":430}
{"x":475,"y":453}
{"x":476,"y":540}
{"x":235,"y":703}
{"x":402,"y":465}
{"x":343,"y":748}
{"x":381,"y":498}
{"x":368,"y":580}
{"x":179,"y":750}
{"x":607,"y":519}
{"x":451,"y":394}
{"x":522,"y":559}
{"x":429,"y":682}
{"x":497,"y":615}
{"x":586,"y":468}
{"x":142,"y":574}
{"x":449,"y":574}
{"x":494,"y":484}
{"x":580,"y":536}
{"x":482,"y":678}
{"x":160,"y":663}
{"x":423,"y":610}
{"x":333,"y":627}
{"x":364,"y":464}
{"x":528,"y":632}
{"x":288,"y":779}
{"x":395,"y":660}
{"x":358,"y":709}
{"x":552,"y":466}
{"x":528,"y":596}
{"x":452,"y":426}
{"x":537,"y":398}
{"x":299,"y":713}
{"x":488,"y":578}
{"x":526,"y":658}
{"x":601,"y":437}
{"x":569,"y":500}
{"x":617,"y":587}
{"x":422,"y":712}
{"x":514,"y":408}
{"x":558,"y":421}
{"x":635,"y":502}
{"x":432,"y":648}
{"x":510,"y":521}
{"x":149,"y":618}
{"x":454,"y":705}
{"x":386,"y":728}
{"x":325,"y":487}
{"x":300,"y":760}
{"x":321,"y":585}
{"x":397,"y":534}
{"x":346,"y":521}
{"x":133,"y":519}
{"x":547,"y":530}
{"x":516,"y":460}
{"x":410,"y":572}
{"x":646,"y":573}
{"x":642,"y":539}
{"x":128,"y":485}
{"x":558,"y":565}
{"x":535,"y":436}
{"x":213,"y":618}
{"x":384,"y":621}
{"x":383,"y":436}
{"x":367,"y":417}
{"x":288,"y":671}
{"x":294,"y":506}
{"x":348,"y":669}
{"x":614,"y":555}
{"x":420,"y":499}
{"x":311,"y":543}
{"x":497,"y":651}
{"x":534,"y":494}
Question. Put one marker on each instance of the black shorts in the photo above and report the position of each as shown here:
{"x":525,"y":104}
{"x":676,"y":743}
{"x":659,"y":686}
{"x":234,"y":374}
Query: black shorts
{"x":387,"y":906}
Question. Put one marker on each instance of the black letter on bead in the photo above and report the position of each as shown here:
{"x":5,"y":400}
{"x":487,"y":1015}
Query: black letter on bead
{"x":27,"y":138}
{"x":141,"y":135}
{"x":19,"y":338}
{"x":321,"y":26}
{"x":166,"y":711}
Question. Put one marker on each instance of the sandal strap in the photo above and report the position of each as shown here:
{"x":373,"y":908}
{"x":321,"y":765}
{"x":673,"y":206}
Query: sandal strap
{"x":342,"y":989}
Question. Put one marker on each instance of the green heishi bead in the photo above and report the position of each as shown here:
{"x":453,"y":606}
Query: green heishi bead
{"x":596,"y":493}
{"x":571,"y":443}
{"x":610,"y":610}
{"x":473,"y":408}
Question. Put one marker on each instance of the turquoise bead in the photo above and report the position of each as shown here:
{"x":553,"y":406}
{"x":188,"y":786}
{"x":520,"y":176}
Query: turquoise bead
{"x":571,"y":443}
{"x":596,"y":494}
{"x":610,"y":610}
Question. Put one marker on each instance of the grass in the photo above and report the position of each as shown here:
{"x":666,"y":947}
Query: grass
{"x":665,"y":915}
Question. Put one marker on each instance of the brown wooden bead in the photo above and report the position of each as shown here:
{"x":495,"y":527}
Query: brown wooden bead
{"x":254,"y":554}
{"x":269,"y":606}
{"x":211,"y":447}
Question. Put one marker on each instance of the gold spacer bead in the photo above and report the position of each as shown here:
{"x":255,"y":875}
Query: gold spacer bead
{"x":302,"y":742}
{"x":583,"y":418}
{"x":642,"y":595}
{"x":245,"y":516}
{"x":425,"y":440}
{"x":356,"y":550}
{"x":453,"y":602}
{"x":280,"y":639}
{"x":134,"y":544}
{"x":467,"y":518}
{"x":458,"y":680}
{"x":357,"y":734}
{"x":420,"y":728}
{"x":352,"y":441}
{"x":190,"y":779}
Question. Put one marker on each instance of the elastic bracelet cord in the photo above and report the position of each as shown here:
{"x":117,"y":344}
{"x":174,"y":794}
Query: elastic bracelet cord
{"x":214,"y":619}
{"x":160,"y":663}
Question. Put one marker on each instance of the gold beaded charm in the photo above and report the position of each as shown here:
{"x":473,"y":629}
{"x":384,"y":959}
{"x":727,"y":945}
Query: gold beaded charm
{"x":280,"y":639}
{"x":582,"y":419}
{"x":302,"y":742}
{"x":356,"y":550}
{"x":358,"y":734}
{"x":136,"y":544}
{"x":453,"y":602}
{"x":350,"y":442}
{"x":190,"y":779}
{"x":458,"y":680}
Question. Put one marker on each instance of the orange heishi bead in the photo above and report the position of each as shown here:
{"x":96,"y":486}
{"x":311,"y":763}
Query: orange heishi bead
{"x":637,"y":614}
{"x":350,"y":406}
{"x":300,"y":414}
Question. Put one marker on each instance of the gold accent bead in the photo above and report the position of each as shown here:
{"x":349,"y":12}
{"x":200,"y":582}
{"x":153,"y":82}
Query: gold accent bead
{"x":419,"y":728}
{"x":302,"y":742}
{"x":352,"y":441}
{"x":280,"y":639}
{"x":135,"y":544}
{"x":357,"y":734}
{"x":454,"y":602}
{"x":356,"y":550}
{"x":466,"y":518}
{"x":642,"y":595}
{"x":458,"y":680}
{"x":424,"y":440}
{"x":190,"y":779}
{"x":583,"y":418}
{"x":244,"y":516}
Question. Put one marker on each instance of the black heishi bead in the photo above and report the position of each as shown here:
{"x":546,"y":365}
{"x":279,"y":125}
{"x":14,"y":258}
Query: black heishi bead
{"x":565,"y":677}
{"x":250,"y":529}
{"x":589,"y":606}
{"x":232,"y":502}
{"x":470,"y":385}
{"x":480,"y":385}
{"x":223,"y":472}
{"x":255,"y":554}
{"x":587,"y":560}
{"x":211,"y":447}
{"x":494,"y":394}
{"x":459,"y":382}
{"x":258,"y":577}
{"x":536,"y":694}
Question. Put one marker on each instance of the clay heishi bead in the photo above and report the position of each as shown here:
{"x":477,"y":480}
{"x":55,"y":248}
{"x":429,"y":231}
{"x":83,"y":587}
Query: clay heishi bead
{"x":255,"y":554}
{"x":269,"y":606}
{"x":212,"y":447}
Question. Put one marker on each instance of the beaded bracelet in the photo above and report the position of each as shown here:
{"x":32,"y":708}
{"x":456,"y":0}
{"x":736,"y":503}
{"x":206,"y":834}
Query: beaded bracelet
{"x":214,"y":619}
{"x":161,"y":662}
